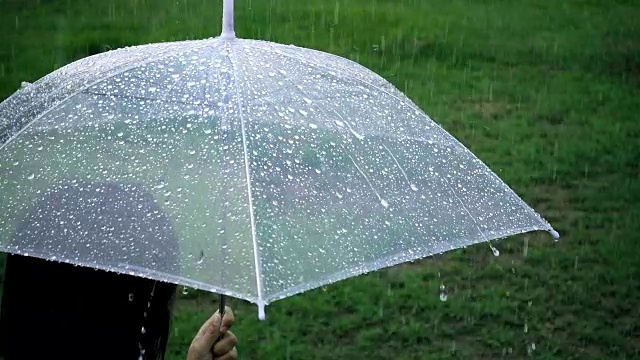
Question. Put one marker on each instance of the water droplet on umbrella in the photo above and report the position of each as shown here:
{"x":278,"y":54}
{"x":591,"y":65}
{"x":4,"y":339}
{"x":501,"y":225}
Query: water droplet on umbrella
{"x":413,"y":187}
{"x":167,"y":193}
{"x":307,"y":100}
{"x":313,"y":126}
{"x":185,"y":290}
{"x":207,"y":131}
{"x":16,"y":163}
{"x":120,"y":134}
{"x":201,"y":258}
{"x":384,"y":203}
{"x":31,"y":177}
{"x":357,"y":135}
{"x":304,"y":113}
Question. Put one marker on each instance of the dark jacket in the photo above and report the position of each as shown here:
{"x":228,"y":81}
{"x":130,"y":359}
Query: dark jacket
{"x":52,"y":309}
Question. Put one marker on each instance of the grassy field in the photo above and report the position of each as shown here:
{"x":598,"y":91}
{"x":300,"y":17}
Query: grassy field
{"x":545,"y":92}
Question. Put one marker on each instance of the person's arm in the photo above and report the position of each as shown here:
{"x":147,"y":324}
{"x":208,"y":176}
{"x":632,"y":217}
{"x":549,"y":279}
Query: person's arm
{"x":214,"y":341}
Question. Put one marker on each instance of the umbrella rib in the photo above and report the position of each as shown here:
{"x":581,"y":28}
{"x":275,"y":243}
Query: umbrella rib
{"x":343,"y":133}
{"x":465,"y":208}
{"x":414,"y":107}
{"x":66,"y":99}
{"x":256,"y":257}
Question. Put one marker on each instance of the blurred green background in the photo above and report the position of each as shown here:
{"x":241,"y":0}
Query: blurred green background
{"x":545,"y":92}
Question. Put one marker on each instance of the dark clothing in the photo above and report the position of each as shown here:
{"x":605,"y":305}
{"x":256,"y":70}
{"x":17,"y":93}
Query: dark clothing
{"x":58,"y":310}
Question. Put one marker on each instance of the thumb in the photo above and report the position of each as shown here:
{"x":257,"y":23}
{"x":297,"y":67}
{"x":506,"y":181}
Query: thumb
{"x":209,"y":333}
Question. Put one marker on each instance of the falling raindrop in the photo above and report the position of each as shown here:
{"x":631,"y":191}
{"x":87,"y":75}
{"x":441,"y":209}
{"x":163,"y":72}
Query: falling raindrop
{"x":443,"y":293}
{"x":131,"y":297}
{"x":495,"y":251}
{"x":143,"y":331}
{"x":526,"y":327}
{"x":185,"y":290}
{"x":531,"y":348}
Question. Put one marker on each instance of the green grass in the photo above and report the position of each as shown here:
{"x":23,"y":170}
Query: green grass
{"x":545,"y":92}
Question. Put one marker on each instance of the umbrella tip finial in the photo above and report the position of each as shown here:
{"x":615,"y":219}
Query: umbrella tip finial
{"x":228,"y":31}
{"x":261,"y":313}
{"x":555,"y":234}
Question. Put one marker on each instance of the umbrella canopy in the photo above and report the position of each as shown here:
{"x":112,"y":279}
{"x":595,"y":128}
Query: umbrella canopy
{"x":282,"y":168}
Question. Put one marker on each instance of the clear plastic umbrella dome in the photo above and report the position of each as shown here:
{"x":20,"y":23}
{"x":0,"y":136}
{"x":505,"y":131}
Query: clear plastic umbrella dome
{"x":281,"y":168}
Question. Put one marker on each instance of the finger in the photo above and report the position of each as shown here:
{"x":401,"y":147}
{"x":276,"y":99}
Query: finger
{"x":212,"y":329}
{"x":208,"y":333}
{"x":228,"y":319}
{"x":226,"y":344}
{"x":231,"y":355}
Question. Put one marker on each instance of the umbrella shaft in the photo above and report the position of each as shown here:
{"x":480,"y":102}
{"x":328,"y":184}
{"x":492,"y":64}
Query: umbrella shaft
{"x":228,"y":31}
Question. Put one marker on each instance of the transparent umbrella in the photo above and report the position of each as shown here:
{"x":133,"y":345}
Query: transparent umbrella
{"x":281,"y":168}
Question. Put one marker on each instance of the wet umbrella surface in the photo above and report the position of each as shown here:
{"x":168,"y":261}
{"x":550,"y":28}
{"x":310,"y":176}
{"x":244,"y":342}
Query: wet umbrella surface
{"x":282,"y":168}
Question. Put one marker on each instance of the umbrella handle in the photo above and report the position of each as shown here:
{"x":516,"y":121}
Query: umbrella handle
{"x":222,"y":305}
{"x":221,"y":311}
